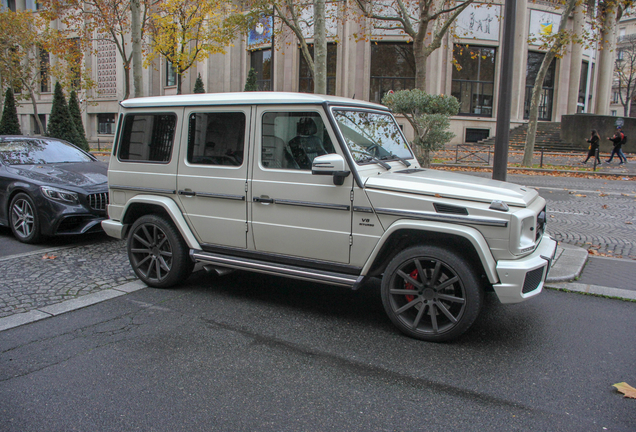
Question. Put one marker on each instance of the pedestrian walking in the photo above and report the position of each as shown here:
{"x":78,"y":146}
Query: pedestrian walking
{"x":618,"y":139}
{"x":593,"y":150}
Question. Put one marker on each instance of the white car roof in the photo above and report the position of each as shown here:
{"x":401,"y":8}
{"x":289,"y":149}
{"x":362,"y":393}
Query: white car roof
{"x":244,"y":98}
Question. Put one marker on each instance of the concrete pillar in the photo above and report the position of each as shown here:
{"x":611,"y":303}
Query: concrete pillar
{"x":520,"y":61}
{"x":605,"y":63}
{"x":576,"y":57}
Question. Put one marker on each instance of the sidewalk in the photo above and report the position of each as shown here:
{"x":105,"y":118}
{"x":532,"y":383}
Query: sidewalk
{"x":568,"y":267}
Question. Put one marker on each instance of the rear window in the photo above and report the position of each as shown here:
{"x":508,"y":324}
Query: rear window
{"x":147,"y":138}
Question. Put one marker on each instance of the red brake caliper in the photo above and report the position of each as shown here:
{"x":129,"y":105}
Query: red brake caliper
{"x":409,"y":286}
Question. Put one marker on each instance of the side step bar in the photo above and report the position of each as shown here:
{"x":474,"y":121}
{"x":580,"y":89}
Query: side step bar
{"x":294,"y":272}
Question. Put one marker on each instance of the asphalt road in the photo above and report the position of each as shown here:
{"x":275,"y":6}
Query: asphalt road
{"x":256,"y":353}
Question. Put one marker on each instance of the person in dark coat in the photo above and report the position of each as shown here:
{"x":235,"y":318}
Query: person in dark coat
{"x":594,"y":144}
{"x":618,"y":139}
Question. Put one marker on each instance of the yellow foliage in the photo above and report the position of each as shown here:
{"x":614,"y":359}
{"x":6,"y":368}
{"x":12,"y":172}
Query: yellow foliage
{"x":187,"y":31}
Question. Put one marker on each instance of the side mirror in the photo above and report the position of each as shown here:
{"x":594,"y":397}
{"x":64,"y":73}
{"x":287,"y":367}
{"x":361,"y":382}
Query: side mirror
{"x":330,"y":164}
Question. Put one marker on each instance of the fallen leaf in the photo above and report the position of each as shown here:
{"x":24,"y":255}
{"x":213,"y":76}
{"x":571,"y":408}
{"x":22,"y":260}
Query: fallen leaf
{"x":579,"y":195}
{"x":592,"y":251}
{"x":438,"y":196}
{"x":47,"y":256}
{"x":626,"y":389}
{"x":629,"y":223}
{"x":604,"y":206}
{"x":551,"y":216}
{"x":602,"y":194}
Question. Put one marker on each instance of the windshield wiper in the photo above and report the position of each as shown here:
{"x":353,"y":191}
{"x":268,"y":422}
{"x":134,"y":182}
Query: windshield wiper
{"x":395,"y":157}
{"x":376,"y":160}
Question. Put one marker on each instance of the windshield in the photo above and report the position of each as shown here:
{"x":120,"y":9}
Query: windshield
{"x":372,"y":136}
{"x":40,"y":152}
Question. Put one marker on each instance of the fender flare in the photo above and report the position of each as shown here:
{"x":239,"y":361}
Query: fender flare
{"x":173,"y":211}
{"x":471,"y":234}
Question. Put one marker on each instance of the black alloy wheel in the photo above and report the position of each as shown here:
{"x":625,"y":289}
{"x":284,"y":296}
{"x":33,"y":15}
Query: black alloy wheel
{"x":157,"y":252}
{"x":24,"y":220}
{"x":430,"y":293}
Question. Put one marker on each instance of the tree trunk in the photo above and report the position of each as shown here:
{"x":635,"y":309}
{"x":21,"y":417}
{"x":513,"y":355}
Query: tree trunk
{"x":135,"y":24}
{"x":320,"y":48}
{"x":179,"y":83}
{"x":35,"y":112}
{"x":126,"y":79}
{"x":420,"y":64}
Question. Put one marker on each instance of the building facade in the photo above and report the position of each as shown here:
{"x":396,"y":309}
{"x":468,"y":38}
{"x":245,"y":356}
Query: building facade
{"x":467,"y":66}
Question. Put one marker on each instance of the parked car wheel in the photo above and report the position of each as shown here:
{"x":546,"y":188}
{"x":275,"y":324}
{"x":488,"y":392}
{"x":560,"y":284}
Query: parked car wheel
{"x":431,"y":294}
{"x":25,"y":223}
{"x":157,"y":252}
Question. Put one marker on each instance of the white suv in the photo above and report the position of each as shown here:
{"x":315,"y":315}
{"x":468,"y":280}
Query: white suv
{"x":323,"y":189}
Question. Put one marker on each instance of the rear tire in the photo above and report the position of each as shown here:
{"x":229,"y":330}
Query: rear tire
{"x":157,"y":252}
{"x":431,"y":294}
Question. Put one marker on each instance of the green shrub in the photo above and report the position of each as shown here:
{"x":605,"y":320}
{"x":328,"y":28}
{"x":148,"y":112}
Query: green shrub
{"x":429,"y":115}
{"x":9,"y":125}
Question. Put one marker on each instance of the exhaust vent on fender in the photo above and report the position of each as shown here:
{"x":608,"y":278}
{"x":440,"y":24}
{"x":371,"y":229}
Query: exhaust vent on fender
{"x":450,"y":209}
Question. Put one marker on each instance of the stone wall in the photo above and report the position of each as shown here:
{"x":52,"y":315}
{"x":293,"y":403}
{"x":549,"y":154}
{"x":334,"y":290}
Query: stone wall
{"x":577,"y":128}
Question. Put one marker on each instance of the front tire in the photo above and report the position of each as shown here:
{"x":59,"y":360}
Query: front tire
{"x":431,"y":294}
{"x":25,"y":223}
{"x":157,"y":252}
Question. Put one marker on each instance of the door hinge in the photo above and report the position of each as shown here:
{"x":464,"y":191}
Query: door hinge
{"x":350,"y":240}
{"x":245,"y":186}
{"x":246,"y":227}
{"x":351,"y":196}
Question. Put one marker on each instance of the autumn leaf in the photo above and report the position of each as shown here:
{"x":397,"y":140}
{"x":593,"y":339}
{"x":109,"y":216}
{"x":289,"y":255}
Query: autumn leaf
{"x":604,"y":206}
{"x":626,"y":389}
{"x":592,"y":251}
{"x":579,"y":195}
{"x":602,"y":195}
{"x":629,"y":223}
{"x":47,"y":256}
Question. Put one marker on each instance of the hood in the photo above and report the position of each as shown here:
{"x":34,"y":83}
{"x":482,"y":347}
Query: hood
{"x":453,"y":185}
{"x":76,"y":174}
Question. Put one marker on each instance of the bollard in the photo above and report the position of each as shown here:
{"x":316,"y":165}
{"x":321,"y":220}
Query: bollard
{"x":98,"y":146}
{"x":541,"y":163}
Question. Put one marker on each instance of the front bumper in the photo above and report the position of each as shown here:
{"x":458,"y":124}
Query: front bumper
{"x":113,"y":228}
{"x":524,"y":278}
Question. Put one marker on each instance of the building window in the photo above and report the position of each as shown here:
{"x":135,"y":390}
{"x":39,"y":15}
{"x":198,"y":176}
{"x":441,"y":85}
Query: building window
{"x":615,"y":97}
{"x":106,"y":124}
{"x":171,"y":74}
{"x":45,"y":83}
{"x":474,"y":81}
{"x":547,"y":92}
{"x":261,"y":62}
{"x":11,"y":5}
{"x":392,"y":68}
{"x":76,"y":65}
{"x":36,"y":127}
{"x":614,"y":113}
{"x":306,"y":80}
{"x":582,"y":88}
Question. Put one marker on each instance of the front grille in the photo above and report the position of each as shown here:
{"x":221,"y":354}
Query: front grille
{"x":533,"y":279}
{"x":98,"y":201}
{"x":541,"y":221}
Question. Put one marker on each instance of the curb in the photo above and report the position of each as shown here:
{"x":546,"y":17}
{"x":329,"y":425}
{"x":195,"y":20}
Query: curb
{"x":68,"y":305}
{"x":617,"y":293}
{"x":543,"y":170}
{"x":568,"y":264}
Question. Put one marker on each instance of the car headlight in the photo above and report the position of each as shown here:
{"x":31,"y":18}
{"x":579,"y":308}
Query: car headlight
{"x":523,"y":232}
{"x":60,"y":195}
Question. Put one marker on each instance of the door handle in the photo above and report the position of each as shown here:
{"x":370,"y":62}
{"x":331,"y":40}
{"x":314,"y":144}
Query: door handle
{"x":264,"y":200}
{"x":187,"y":192}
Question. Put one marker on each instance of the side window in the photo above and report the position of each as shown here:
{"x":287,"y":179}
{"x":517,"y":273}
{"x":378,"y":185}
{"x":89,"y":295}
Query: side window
{"x":216,"y":138}
{"x":291,"y":140}
{"x":147,"y":137}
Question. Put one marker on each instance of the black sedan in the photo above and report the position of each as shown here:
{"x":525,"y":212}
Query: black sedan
{"x":50,"y":187}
